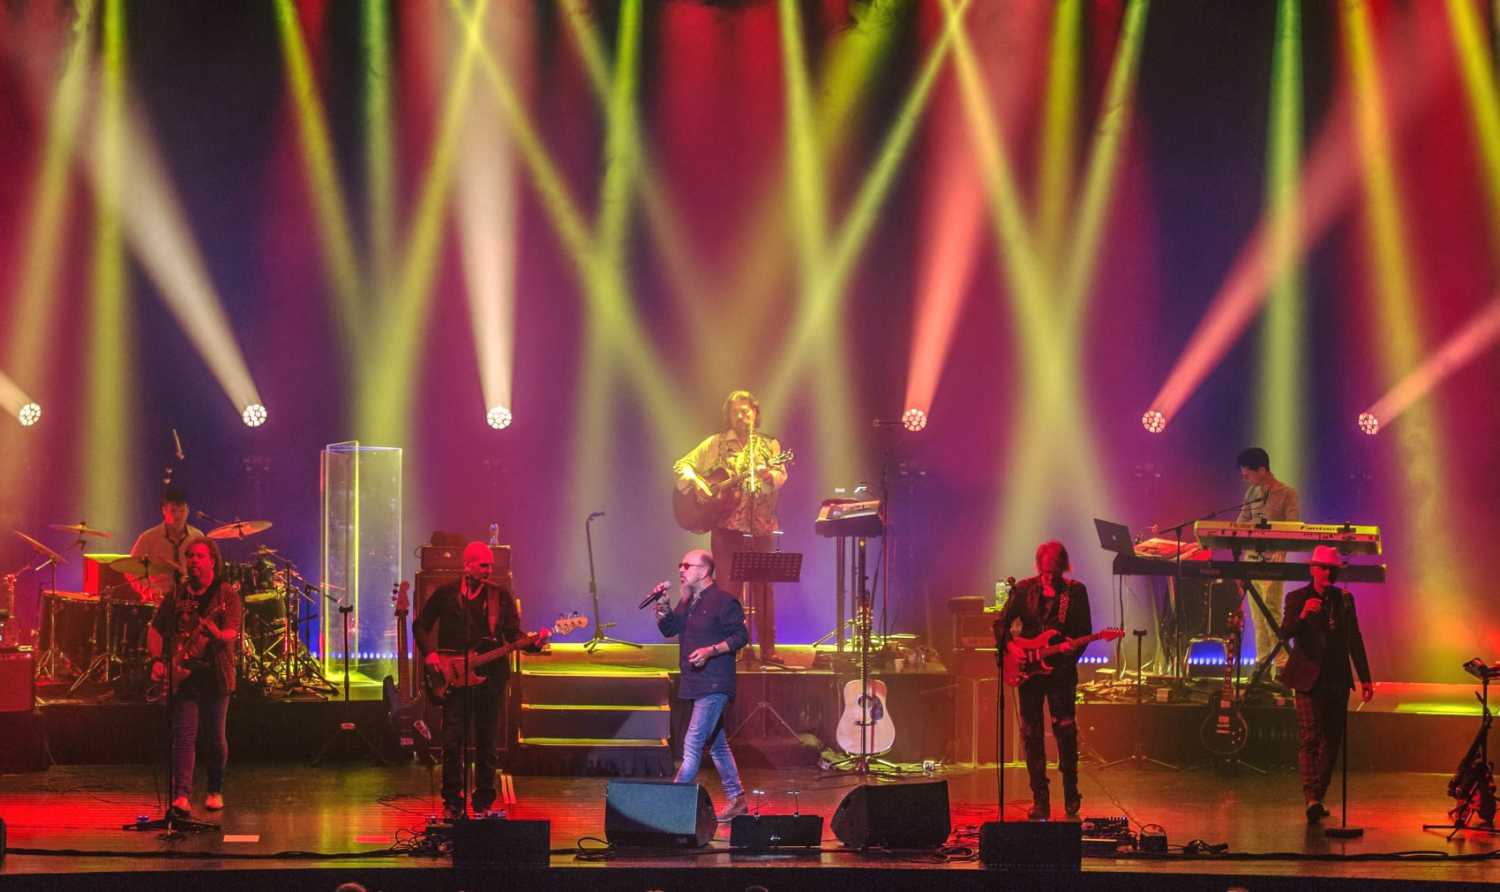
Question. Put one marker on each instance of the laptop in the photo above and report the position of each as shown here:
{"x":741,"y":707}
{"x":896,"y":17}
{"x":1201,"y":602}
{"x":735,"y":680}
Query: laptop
{"x":1115,"y":537}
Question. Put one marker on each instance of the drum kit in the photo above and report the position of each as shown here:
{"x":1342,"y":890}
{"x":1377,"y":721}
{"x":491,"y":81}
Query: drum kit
{"x":100,"y":636}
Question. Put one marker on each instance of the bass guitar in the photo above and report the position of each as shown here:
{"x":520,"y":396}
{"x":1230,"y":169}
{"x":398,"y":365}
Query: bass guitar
{"x":865,"y":715}
{"x":1224,"y":730}
{"x":455,"y":669}
{"x":191,"y":653}
{"x":714,"y":496}
{"x":1026,"y":658}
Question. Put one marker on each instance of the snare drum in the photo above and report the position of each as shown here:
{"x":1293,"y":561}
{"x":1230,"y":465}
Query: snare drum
{"x":69,"y":620}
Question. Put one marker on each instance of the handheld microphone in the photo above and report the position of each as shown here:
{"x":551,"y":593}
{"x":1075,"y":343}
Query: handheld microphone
{"x":596,"y":514}
{"x":178,"y":442}
{"x":656,"y":594}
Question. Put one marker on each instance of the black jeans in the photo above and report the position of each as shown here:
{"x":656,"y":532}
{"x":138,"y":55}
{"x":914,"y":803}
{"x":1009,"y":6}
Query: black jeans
{"x":1059,"y":690}
{"x":483,"y":724}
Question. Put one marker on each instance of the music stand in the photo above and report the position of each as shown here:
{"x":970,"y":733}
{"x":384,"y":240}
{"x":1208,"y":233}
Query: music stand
{"x":765,"y":567}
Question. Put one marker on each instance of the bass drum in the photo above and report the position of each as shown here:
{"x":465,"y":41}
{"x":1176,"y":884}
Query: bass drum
{"x":69,"y":624}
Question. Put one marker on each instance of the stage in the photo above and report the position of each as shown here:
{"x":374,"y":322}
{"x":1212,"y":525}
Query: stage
{"x":311,"y":828}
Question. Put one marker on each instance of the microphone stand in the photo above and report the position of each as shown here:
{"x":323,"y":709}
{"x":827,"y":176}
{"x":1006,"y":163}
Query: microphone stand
{"x":599,"y":627}
{"x":1343,"y":830}
{"x":346,"y":727}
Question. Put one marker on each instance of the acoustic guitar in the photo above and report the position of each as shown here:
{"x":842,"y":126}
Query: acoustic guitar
{"x":865,"y":715}
{"x":705,"y":506}
{"x":1026,"y":658}
{"x":458,"y":670}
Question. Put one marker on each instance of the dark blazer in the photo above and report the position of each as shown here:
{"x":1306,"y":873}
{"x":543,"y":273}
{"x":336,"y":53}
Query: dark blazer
{"x":1318,"y":651}
{"x":715,"y":615}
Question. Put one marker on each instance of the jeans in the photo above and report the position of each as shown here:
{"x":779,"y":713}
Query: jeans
{"x":485,"y":720}
{"x":1058,"y":690}
{"x":707,"y":728}
{"x":192,"y":713}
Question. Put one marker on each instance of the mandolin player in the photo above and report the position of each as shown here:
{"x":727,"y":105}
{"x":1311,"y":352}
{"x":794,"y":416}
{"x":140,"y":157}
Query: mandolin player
{"x":1047,"y":601}
{"x":745,"y":460}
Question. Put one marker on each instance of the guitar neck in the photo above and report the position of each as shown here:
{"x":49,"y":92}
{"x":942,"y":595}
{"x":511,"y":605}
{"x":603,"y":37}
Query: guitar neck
{"x":1080,"y":641}
{"x":490,"y":656}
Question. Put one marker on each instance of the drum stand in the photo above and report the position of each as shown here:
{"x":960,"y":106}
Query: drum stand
{"x":104,"y":663}
{"x":47,"y":662}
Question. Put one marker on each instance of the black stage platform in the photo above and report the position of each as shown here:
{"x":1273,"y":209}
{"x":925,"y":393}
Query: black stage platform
{"x":297,"y":827}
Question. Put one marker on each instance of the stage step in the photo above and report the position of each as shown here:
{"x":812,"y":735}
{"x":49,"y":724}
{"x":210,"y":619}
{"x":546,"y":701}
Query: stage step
{"x":643,"y":688}
{"x":541,"y":720}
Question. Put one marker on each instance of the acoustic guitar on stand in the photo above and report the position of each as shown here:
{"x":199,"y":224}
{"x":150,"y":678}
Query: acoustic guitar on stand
{"x":865,"y":715}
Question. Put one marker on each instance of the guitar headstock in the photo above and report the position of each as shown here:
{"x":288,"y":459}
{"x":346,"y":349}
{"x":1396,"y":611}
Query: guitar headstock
{"x":1111,"y":634}
{"x":570,"y":623}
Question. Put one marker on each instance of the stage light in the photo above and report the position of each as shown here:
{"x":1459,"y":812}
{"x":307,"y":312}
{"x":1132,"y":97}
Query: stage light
{"x":914,"y":419}
{"x":498,"y":417}
{"x":29,"y":415}
{"x":1154,"y":421}
{"x":1369,"y":423}
{"x":254,"y":415}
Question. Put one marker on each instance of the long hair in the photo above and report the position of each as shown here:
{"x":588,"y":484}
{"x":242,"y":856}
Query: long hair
{"x":735,"y":397}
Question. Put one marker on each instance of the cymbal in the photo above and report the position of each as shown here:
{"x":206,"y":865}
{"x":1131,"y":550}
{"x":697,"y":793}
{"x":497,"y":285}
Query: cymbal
{"x":41,"y":549}
{"x":239,"y":529}
{"x":263,"y":551}
{"x":137,"y":567}
{"x":78,"y":529}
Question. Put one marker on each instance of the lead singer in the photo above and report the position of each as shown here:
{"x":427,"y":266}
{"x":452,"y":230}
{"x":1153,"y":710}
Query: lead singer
{"x":709,"y":624}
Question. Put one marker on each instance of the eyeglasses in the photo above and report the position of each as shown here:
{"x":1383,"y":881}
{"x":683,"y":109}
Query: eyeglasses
{"x":686,"y":566}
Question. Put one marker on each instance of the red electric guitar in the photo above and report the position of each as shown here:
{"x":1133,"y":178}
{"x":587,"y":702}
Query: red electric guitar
{"x":1026,"y":658}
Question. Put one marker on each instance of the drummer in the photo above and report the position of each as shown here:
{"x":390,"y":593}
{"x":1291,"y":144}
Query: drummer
{"x":162,"y":545}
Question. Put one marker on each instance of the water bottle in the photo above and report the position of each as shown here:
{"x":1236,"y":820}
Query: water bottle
{"x":1002,"y":593}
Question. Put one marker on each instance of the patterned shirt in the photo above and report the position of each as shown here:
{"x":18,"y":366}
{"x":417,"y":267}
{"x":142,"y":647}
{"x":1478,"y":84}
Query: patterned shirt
{"x":756,"y":515}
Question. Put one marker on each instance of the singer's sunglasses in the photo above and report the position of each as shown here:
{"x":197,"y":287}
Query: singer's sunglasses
{"x":687,"y":566}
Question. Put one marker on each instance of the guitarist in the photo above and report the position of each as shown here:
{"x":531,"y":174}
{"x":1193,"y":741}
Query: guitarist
{"x":207,"y":610}
{"x":456,"y":617}
{"x":1049,"y":600}
{"x":749,"y":526}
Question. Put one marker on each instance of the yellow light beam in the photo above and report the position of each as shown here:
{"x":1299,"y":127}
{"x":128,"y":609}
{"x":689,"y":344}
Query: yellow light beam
{"x":1477,"y":67}
{"x":1056,"y":148}
{"x":378,"y":130}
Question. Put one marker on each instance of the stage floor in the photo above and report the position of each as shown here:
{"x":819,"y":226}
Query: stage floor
{"x":331,"y":812}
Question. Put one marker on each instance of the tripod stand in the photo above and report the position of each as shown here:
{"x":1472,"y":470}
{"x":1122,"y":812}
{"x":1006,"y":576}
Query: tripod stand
{"x":599,"y":627}
{"x":1138,"y":750}
{"x":766,"y":567}
{"x":341,"y":741}
{"x":1473,"y":784}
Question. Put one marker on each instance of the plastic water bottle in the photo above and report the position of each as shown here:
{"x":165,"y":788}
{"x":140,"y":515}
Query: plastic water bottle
{"x":1002,"y":593}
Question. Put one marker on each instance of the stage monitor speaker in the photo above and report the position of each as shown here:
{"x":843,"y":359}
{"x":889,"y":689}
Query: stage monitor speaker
{"x":901,"y":816}
{"x":1049,"y":844}
{"x":494,"y":842}
{"x":765,"y":832}
{"x":658,"y":814}
{"x":17,"y":680}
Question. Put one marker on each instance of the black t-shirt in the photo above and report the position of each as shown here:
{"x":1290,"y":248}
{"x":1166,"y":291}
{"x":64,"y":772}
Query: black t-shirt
{"x":462,"y":622}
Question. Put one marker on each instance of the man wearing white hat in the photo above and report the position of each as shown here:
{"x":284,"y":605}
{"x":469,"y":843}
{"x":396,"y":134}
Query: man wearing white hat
{"x":1323,"y":627}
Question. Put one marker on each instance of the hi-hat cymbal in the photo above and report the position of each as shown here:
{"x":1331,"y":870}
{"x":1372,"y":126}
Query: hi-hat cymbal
{"x":137,"y":567}
{"x":78,"y":529}
{"x":239,"y":529}
{"x":262,"y":597}
{"x":41,"y":549}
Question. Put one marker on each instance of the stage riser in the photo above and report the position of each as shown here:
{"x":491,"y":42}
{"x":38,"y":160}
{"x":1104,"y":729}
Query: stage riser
{"x":646,"y":689}
{"x":596,"y":723}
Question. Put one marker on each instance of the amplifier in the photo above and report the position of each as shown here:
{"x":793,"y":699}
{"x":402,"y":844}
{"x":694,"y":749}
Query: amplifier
{"x":765,"y":832}
{"x":451,"y":557}
{"x":17,"y":680}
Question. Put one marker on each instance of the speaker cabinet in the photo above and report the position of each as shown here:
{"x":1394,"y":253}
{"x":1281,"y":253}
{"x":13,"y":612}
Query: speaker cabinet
{"x":491,"y":842}
{"x":765,"y":832}
{"x":658,"y":814}
{"x":17,"y":680}
{"x":1049,"y":844}
{"x":903,"y":816}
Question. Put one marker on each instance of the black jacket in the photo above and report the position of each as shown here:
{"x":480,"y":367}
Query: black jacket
{"x":1038,"y":614}
{"x":1323,"y":643}
{"x":715,"y":615}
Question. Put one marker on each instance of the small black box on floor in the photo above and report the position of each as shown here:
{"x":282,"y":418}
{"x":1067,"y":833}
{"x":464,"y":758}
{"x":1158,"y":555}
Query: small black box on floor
{"x":765,"y":832}
{"x":658,"y":814}
{"x":496,"y":842}
{"x":900,"y":816}
{"x":1048,"y":844}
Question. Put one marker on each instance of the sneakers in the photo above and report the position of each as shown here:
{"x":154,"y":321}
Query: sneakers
{"x":737,"y":806}
{"x":180,"y":808}
{"x":214,"y":801}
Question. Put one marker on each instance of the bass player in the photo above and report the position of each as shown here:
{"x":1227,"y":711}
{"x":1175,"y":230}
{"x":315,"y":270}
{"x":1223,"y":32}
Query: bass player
{"x":1048,"y":600}
{"x":457,"y":617}
{"x":201,"y":619}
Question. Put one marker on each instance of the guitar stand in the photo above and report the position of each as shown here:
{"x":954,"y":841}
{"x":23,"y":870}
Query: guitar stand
{"x":342,"y":741}
{"x":1138,"y":748}
{"x":1233,"y":763}
{"x":1480,"y":784}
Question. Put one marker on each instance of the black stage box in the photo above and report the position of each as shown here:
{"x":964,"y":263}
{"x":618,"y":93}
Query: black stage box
{"x":496,"y":842}
{"x":765,"y":832}
{"x":901,"y":816}
{"x":1032,"y":844}
{"x":658,"y":814}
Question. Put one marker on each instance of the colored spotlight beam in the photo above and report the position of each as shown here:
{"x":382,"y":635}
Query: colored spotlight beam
{"x":1478,"y":335}
{"x":15,"y":400}
{"x":1477,"y":67}
{"x":1334,"y":166}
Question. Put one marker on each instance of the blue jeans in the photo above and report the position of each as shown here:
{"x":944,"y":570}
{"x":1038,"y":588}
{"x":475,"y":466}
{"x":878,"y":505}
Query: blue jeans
{"x":707,"y":728}
{"x":190,"y":714}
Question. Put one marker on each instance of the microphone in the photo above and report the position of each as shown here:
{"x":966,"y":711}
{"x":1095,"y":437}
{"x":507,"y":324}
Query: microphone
{"x":596,"y":514}
{"x":656,"y":594}
{"x":178,"y":442}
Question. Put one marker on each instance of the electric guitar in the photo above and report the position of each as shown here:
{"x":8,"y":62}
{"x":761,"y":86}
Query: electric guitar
{"x":865,"y":715}
{"x":713,"y":496}
{"x":1026,"y":658}
{"x":1224,"y":730}
{"x":449,"y":673}
{"x":191,"y":653}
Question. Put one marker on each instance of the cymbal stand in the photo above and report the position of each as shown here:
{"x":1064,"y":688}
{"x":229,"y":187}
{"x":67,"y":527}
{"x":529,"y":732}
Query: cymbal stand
{"x":599,"y":627}
{"x":47,"y":663}
{"x":103,"y":663}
